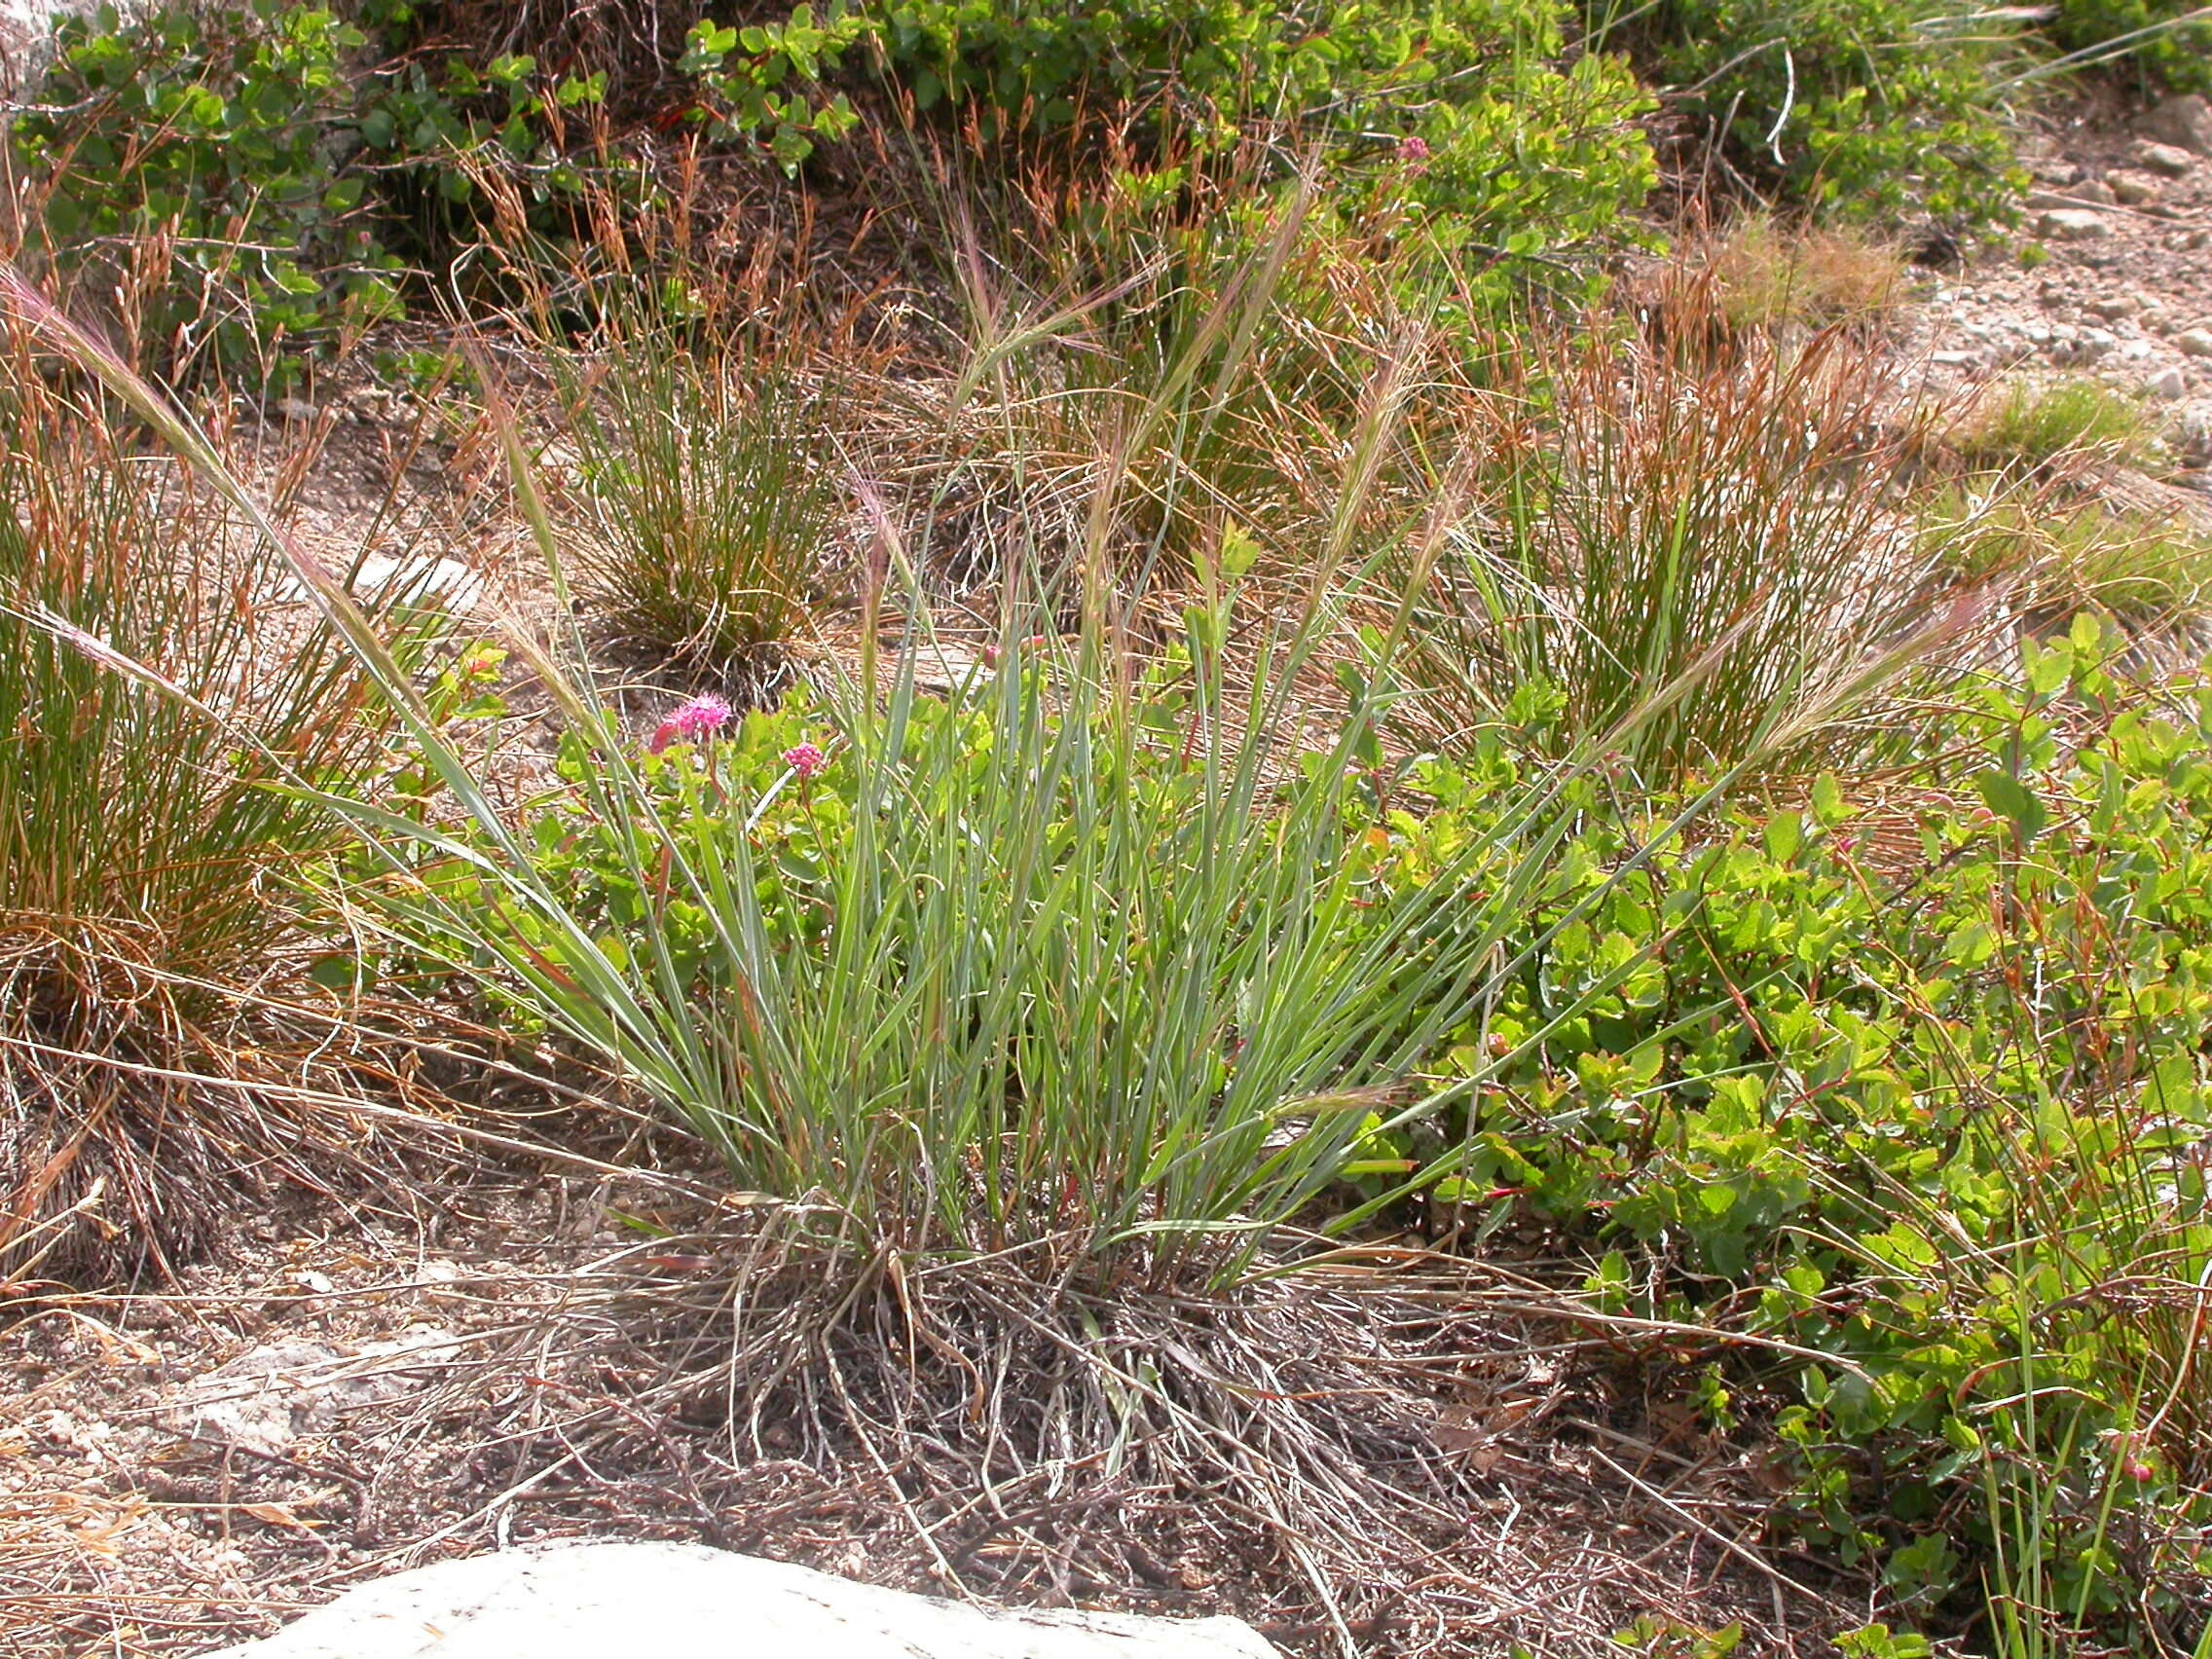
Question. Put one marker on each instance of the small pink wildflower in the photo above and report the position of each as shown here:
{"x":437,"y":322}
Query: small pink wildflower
{"x":2136,"y":1469}
{"x":992,"y":653}
{"x":1413,"y":150}
{"x":701,"y":717}
{"x":805,"y":760}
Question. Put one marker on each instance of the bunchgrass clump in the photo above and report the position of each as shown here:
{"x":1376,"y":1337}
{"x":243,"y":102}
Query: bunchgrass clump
{"x":1645,"y":513}
{"x":158,"y":695}
{"x":1049,"y":1032}
{"x":2036,"y":426}
{"x":712,"y":497}
{"x":1769,"y":275}
{"x":1078,"y":962}
{"x":2148,"y":570}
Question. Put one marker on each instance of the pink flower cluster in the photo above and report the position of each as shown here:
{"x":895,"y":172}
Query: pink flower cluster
{"x":992,"y":653}
{"x":805,"y":760}
{"x":691,"y":723}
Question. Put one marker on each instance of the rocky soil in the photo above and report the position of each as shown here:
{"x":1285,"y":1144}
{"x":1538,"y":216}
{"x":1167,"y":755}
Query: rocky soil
{"x":345,"y":1395}
{"x":2112,"y":276}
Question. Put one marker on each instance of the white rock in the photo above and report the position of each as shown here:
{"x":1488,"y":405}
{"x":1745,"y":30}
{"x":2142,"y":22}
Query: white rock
{"x":607,"y":1599}
{"x":2192,"y":431}
{"x":268,"y":1397}
{"x":2184,"y":121}
{"x":419,"y":580}
{"x":27,"y":35}
{"x":2169,"y":383}
{"x":2168,"y":160}
{"x":2197,"y":343}
{"x":2082,"y":345}
{"x":2073,"y":224}
{"x":406,"y":580}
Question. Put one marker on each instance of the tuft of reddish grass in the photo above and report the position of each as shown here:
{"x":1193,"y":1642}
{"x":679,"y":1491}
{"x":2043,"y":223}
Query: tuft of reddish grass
{"x":161,"y":706}
{"x":1768,"y":274}
{"x":1669,"y":512}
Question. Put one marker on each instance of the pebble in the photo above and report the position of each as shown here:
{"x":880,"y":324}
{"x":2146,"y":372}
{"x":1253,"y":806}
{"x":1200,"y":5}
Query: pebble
{"x":2112,"y":308}
{"x":2169,"y":383}
{"x":2197,"y":343}
{"x":2094,"y":194}
{"x":2184,"y":121}
{"x":2088,"y":346}
{"x":2170,"y":161}
{"x":2073,"y":224}
{"x":2132,"y":190}
{"x":2193,"y":432}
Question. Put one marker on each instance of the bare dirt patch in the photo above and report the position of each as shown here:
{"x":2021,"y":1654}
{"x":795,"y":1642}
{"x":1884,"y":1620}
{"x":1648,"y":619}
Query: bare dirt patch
{"x":343,"y":1398}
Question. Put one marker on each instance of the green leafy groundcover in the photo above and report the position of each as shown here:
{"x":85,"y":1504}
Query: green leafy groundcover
{"x":2166,"y":50}
{"x":1923,"y":1092}
{"x":1927,"y":1093}
{"x":1860,"y":108}
{"x":286,"y":174}
{"x":303,"y":172}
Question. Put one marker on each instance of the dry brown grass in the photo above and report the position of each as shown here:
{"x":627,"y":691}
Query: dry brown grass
{"x":1769,"y":275}
{"x":1393,"y":1454}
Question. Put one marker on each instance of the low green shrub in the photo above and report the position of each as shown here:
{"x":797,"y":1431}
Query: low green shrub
{"x":216,"y":132}
{"x":1445,"y":77}
{"x":286,"y":184}
{"x":2168,"y":42}
{"x":1860,"y":108}
{"x":1470,"y":111}
{"x":1928,"y":1095}
{"x":238,"y":171}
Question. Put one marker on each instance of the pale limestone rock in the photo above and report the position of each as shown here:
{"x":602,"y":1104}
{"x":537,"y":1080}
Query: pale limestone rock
{"x":2132,"y":190}
{"x":417,"y":581}
{"x":609,"y":1599}
{"x":2073,"y":224}
{"x":2168,"y":160}
{"x":269,"y":1396}
{"x":27,"y":37}
{"x":2184,"y":121}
